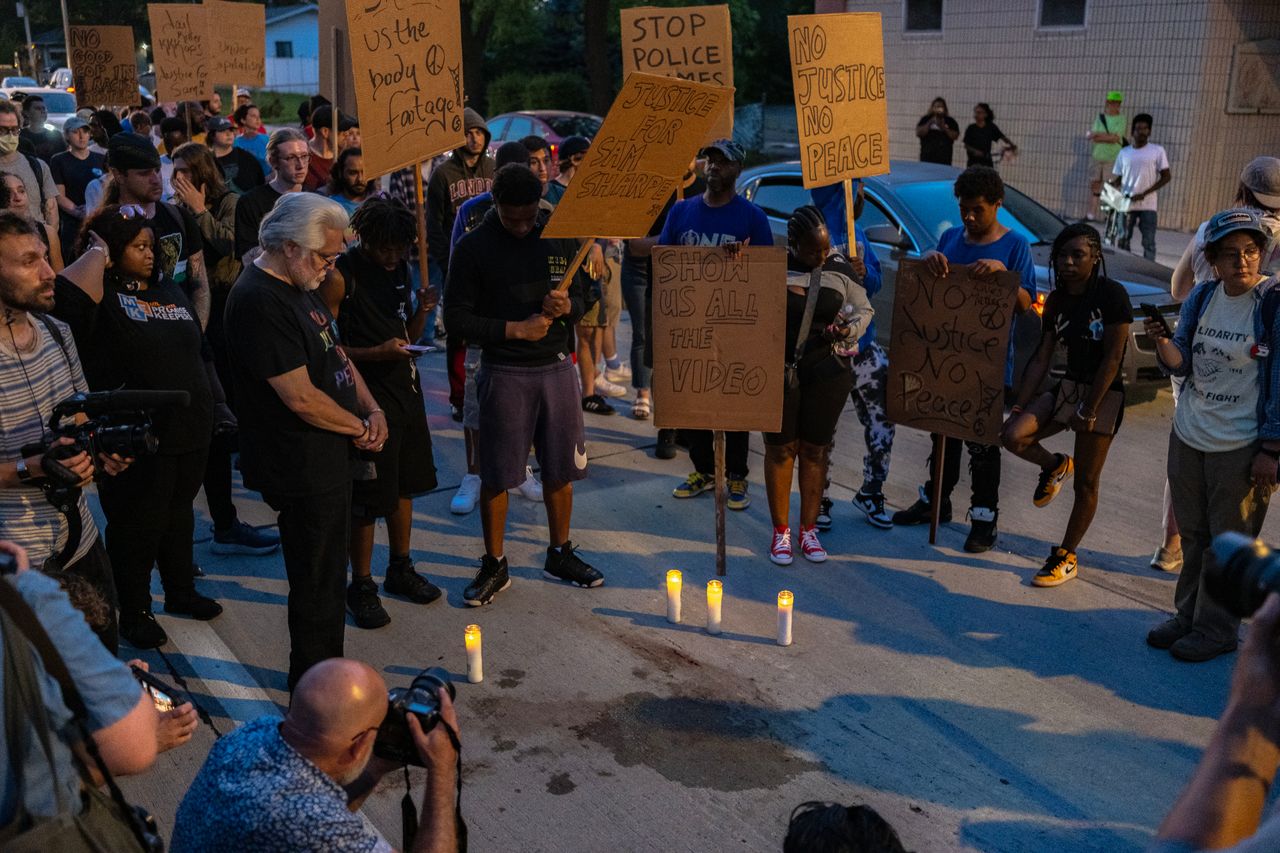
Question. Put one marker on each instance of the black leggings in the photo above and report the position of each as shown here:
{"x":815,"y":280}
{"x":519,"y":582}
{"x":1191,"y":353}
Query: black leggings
{"x":217,"y":482}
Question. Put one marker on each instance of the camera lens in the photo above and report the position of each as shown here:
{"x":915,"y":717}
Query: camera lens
{"x":434,"y":680}
{"x":1243,"y":572}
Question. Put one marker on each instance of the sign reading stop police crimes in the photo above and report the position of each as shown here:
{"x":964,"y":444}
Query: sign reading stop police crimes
{"x":105,"y":66}
{"x":180,"y":47}
{"x":406,"y":61}
{"x":237,"y":34}
{"x":690,"y":42}
{"x":837,"y":70}
{"x":654,"y":128}
{"x":948,"y":350}
{"x":719,"y":326}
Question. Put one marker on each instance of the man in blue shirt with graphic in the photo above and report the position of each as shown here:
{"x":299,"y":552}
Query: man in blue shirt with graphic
{"x":987,"y":247}
{"x":718,"y":217}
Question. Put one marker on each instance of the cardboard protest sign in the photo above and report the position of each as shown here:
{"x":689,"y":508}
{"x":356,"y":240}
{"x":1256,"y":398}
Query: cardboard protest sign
{"x":837,"y":70}
{"x":105,"y":66}
{"x":406,"y":60}
{"x":948,"y":350}
{"x":654,"y":128}
{"x":238,"y":38}
{"x":180,"y":48}
{"x":719,"y":326}
{"x":690,"y":42}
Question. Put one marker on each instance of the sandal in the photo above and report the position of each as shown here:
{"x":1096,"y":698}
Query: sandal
{"x":641,"y":409}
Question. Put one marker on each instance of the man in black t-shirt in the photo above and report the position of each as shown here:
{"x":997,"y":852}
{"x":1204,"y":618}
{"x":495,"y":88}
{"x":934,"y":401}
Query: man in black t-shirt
{"x":37,"y":138}
{"x":288,"y":155}
{"x":73,"y":170}
{"x":303,"y":407}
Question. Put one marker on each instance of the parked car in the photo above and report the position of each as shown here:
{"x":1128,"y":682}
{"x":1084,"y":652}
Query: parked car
{"x":11,"y":82}
{"x":60,"y":79}
{"x":906,"y":212}
{"x":59,"y":104}
{"x":552,"y":125}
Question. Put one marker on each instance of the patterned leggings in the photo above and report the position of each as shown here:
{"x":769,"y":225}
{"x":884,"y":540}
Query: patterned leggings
{"x":871,"y":376}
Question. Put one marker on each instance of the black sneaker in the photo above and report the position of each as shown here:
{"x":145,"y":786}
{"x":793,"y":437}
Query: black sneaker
{"x":455,"y":412}
{"x":401,"y":579}
{"x":982,"y":530}
{"x":823,"y":521}
{"x":873,"y":506}
{"x":242,"y":538}
{"x":490,"y":580}
{"x":364,"y":606}
{"x":920,"y":512}
{"x":564,"y":564}
{"x":666,"y":448}
{"x":193,"y":604}
{"x":596,"y":405}
{"x":141,"y":631}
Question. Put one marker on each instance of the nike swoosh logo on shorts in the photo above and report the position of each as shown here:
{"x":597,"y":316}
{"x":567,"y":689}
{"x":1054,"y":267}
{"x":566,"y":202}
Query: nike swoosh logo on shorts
{"x":579,"y":458}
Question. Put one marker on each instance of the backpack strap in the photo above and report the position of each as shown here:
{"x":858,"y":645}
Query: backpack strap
{"x":35,"y":165}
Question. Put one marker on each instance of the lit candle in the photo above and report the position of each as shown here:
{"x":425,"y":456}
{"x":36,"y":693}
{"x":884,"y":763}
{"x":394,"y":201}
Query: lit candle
{"x":475,"y":660}
{"x":715,"y":594}
{"x":785,"y":600}
{"x":674,"y":583}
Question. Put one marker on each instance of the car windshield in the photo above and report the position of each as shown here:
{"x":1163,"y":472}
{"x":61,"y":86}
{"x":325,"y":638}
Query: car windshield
{"x":59,"y":102}
{"x":565,"y":126}
{"x":934,"y":204}
{"x":20,"y":81}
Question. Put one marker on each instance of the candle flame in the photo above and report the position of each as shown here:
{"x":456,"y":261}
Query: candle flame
{"x":674,"y":578}
{"x":785,"y":598}
{"x":715,"y":589}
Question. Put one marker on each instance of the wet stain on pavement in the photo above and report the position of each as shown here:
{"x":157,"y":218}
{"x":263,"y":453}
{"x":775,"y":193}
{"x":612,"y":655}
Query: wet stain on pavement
{"x":560,"y":784}
{"x":511,"y":678}
{"x":500,"y":745}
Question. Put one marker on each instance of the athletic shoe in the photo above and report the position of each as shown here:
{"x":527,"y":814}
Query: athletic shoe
{"x":490,"y":580}
{"x":693,"y":485}
{"x":780,"y":549}
{"x":141,"y":630}
{"x":1167,"y":633}
{"x":810,"y":546}
{"x":872,"y":505}
{"x":1051,"y":481}
{"x":401,"y":579}
{"x":982,"y":530}
{"x":1057,"y":570}
{"x":564,"y":564}
{"x":244,"y":539}
{"x":455,"y":412}
{"x":364,"y":606}
{"x":823,"y":521}
{"x":530,"y":489}
{"x":666,"y":448}
{"x":1167,"y":560}
{"x":621,"y":373}
{"x":596,"y":405}
{"x":464,"y":500}
{"x":195,"y":605}
{"x":921,"y":513}
{"x":605,"y":388}
{"x":1197,"y":648}
{"x":738,"y":497}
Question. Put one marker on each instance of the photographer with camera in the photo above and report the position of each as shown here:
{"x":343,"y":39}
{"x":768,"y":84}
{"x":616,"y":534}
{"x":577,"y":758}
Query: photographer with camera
{"x":39,"y":368}
{"x":296,"y":784}
{"x":139,"y":331}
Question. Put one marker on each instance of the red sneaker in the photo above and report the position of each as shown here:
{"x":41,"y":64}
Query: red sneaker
{"x":810,"y":546}
{"x":780,"y":550}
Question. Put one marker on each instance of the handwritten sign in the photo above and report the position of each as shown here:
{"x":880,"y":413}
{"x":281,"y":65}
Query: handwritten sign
{"x":406,"y":60}
{"x":691,"y":43}
{"x":654,"y":128}
{"x":105,"y":66}
{"x":238,"y":35}
{"x":948,"y":350}
{"x":180,"y":47}
{"x":837,"y":71}
{"x":719,"y":326}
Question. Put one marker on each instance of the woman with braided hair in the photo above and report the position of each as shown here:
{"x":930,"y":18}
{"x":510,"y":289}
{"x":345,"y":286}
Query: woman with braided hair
{"x":1087,"y":317}
{"x":811,"y":405}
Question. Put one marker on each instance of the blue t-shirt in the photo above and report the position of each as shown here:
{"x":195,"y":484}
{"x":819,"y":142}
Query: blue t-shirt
{"x":257,"y":146}
{"x":463,"y":222}
{"x":1012,"y":250}
{"x":693,"y":223}
{"x":109,"y":691}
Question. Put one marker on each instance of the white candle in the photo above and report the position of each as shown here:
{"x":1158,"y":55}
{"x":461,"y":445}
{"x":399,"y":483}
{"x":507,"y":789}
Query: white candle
{"x":715,"y":595}
{"x":475,"y":659}
{"x":674,"y":584}
{"x":785,"y":600}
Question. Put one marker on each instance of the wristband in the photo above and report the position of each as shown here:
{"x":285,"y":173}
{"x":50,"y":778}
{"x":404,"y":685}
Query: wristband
{"x":375,"y":411}
{"x":1082,"y":416}
{"x":365,"y":423}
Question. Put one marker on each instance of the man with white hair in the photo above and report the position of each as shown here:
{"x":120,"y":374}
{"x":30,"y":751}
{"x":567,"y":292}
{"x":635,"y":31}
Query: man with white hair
{"x":304,"y":410}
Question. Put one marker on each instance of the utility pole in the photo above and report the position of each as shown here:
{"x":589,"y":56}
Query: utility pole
{"x":66,"y":37}
{"x":31,"y":48}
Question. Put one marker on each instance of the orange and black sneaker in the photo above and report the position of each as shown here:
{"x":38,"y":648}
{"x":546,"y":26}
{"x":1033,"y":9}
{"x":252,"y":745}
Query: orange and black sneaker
{"x":1057,"y":570}
{"x":1051,"y":481}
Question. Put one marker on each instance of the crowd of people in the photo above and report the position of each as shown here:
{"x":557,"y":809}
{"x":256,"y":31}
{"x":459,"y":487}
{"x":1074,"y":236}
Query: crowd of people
{"x":276,"y":285}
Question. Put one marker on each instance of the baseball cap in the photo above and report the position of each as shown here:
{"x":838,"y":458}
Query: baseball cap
{"x":322,"y":116}
{"x":243,"y":93}
{"x":1262,"y":178}
{"x":730,"y":149}
{"x":218,"y":123}
{"x":1115,"y":95}
{"x":74,"y":123}
{"x":572,"y":146}
{"x":1229,"y":221}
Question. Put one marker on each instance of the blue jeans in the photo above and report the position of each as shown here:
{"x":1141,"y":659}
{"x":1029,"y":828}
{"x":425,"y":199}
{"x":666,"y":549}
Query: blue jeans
{"x":635,"y":285}
{"x":1146,"y":222}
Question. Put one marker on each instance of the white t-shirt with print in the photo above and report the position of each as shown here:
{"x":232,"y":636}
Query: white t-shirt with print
{"x":1218,"y":408}
{"x":1139,"y":169}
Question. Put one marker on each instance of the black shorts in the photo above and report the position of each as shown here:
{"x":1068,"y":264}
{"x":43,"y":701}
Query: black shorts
{"x":405,"y":468}
{"x":811,"y":413}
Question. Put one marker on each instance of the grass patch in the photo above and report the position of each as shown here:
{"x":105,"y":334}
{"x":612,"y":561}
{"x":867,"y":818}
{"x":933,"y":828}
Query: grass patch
{"x":278,"y":107}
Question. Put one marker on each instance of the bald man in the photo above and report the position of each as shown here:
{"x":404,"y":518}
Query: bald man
{"x":296,"y":785}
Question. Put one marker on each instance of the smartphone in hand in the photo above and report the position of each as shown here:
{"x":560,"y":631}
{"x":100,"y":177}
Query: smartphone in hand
{"x":164,"y":697}
{"x":1154,"y":315}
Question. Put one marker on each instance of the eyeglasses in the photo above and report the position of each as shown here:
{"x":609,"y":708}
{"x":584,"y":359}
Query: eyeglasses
{"x":132,"y":211}
{"x":1252,"y":253}
{"x":361,"y":734}
{"x":9,"y":131}
{"x":326,"y":261}
{"x":297,"y":159}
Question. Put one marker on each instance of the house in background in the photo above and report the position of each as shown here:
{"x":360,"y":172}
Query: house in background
{"x":293,"y":48}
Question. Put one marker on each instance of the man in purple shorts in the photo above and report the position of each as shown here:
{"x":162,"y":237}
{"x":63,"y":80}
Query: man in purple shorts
{"x":501,"y":295}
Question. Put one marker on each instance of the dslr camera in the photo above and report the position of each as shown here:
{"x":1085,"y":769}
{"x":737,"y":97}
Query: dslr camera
{"x":1243,"y":573}
{"x":422,"y":699}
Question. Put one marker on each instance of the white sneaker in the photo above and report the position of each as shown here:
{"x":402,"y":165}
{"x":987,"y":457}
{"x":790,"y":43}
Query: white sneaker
{"x":621,"y":374}
{"x":530,"y":489}
{"x":605,"y":388}
{"x":464,"y":500}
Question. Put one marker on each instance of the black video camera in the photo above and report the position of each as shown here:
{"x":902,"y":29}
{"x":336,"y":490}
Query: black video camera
{"x":422,"y":699}
{"x":1243,"y":572}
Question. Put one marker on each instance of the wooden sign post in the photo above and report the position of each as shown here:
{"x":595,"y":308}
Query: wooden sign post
{"x":104,"y":66}
{"x":719,"y":325}
{"x":950,"y":344}
{"x":180,"y":46}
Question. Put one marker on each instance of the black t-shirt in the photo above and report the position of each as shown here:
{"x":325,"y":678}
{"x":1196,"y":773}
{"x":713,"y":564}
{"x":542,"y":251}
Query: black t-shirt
{"x":240,"y":170}
{"x":74,"y":174}
{"x":936,"y":146}
{"x":1077,"y":323}
{"x":144,"y":340}
{"x":41,"y":143}
{"x":982,"y":138}
{"x":251,"y":209}
{"x":177,"y":238}
{"x":376,"y":308}
{"x":273,"y":328}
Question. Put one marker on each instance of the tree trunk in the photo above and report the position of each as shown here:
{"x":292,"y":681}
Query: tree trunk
{"x":475,"y":34}
{"x":595,"y":26}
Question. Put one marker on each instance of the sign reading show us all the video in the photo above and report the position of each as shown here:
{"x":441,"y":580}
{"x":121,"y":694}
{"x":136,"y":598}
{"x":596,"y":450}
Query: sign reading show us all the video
{"x":719,"y":325}
{"x":406,"y":61}
{"x":837,"y":71}
{"x":949,"y":346}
